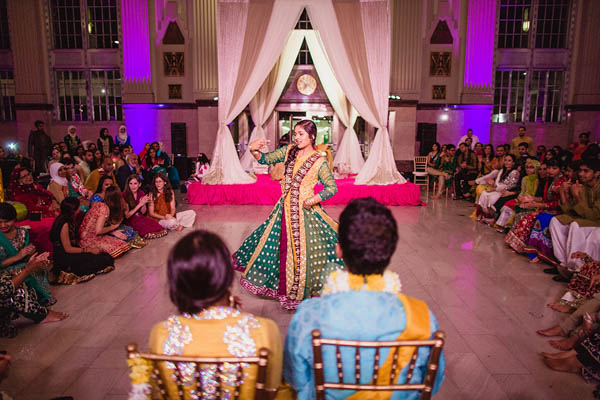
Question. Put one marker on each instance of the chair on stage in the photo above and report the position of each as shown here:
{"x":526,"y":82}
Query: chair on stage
{"x":420,"y":175}
{"x":397,"y":347}
{"x":179,"y":375}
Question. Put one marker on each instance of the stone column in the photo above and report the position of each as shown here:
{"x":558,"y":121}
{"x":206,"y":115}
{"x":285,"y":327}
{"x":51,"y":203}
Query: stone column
{"x":29,"y":47}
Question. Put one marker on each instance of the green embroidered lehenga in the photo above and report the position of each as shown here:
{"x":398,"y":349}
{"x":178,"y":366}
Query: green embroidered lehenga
{"x":291,"y":254}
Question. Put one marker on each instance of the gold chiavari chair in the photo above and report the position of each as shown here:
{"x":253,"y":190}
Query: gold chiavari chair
{"x":200,"y":364}
{"x":425,"y":387}
{"x":420,"y":175}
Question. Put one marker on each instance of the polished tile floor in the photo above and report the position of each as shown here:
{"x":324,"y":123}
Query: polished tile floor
{"x":487,"y":299}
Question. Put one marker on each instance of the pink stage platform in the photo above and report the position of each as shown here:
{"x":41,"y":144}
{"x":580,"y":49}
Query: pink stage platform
{"x":267,"y":192}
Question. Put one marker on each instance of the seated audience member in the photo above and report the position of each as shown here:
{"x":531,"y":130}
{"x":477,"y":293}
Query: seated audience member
{"x":583,"y":285}
{"x":63,"y":148}
{"x":104,"y":183}
{"x":466,"y":171}
{"x":136,"y":202}
{"x":98,"y":157}
{"x":487,"y":161}
{"x":24,"y":189}
{"x":549,"y":155}
{"x":72,"y":263}
{"x":131,"y":166}
{"x":55,"y":157}
{"x":87,"y":165}
{"x":100,"y":221}
{"x":59,"y":184}
{"x":122,"y":137}
{"x":115,"y":154}
{"x":582,"y":146}
{"x":523,"y":155}
{"x":529,"y":185}
{"x":367,"y":239}
{"x":593,"y":151}
{"x":79,"y":154}
{"x":469,"y":143}
{"x":478,"y":149}
{"x":540,"y":152}
{"x":503,"y":188}
{"x":154,"y":164}
{"x":570,"y":231}
{"x":434,"y":159}
{"x":546,"y":201}
{"x":201,"y":167}
{"x":19,"y":299}
{"x":582,"y":359}
{"x":144,"y":152}
{"x":16,"y":251}
{"x":76,"y":188}
{"x":500,"y":153}
{"x":91,"y":146}
{"x":162,"y":206}
{"x":126,"y":150}
{"x":200,"y":276}
{"x":106,"y":168}
{"x":447,"y":167}
{"x":172,"y":172}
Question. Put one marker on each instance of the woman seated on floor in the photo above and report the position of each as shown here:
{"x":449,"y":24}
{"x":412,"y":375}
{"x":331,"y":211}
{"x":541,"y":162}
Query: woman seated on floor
{"x":209,"y":322}
{"x":546,"y":200}
{"x":503,"y":184}
{"x":529,"y":185}
{"x":59,"y":184}
{"x":583,"y":285}
{"x":15,"y":252}
{"x":24,"y":189}
{"x":582,"y":359}
{"x":102,"y":220}
{"x":104,"y":183}
{"x":136,"y":202}
{"x":74,"y":264}
{"x":18,"y":298}
{"x":162,"y":206}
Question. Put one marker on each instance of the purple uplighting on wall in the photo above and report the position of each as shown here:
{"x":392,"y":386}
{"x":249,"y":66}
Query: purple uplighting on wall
{"x":142,"y":124}
{"x":136,"y":41}
{"x":479,"y":56}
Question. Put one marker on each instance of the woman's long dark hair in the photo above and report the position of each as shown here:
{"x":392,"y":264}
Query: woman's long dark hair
{"x":68,"y":209}
{"x":199,"y":272}
{"x":101,"y":182}
{"x":114,"y":201}
{"x":102,"y":134}
{"x":129,"y":199}
{"x":167,"y":190}
{"x":506,"y":172}
{"x":311,"y":129}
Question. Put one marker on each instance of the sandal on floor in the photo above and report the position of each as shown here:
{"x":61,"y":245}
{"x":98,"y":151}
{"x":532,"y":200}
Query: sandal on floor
{"x":560,"y":278}
{"x":106,"y":270}
{"x":551,"y":271}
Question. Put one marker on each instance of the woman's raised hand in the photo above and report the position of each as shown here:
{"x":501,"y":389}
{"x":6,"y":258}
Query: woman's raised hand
{"x":258,"y":144}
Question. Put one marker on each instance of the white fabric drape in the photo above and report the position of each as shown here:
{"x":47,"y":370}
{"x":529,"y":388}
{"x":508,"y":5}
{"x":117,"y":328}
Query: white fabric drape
{"x":263,"y":103}
{"x":348,"y":150}
{"x":247,"y":51}
{"x":358,"y":44}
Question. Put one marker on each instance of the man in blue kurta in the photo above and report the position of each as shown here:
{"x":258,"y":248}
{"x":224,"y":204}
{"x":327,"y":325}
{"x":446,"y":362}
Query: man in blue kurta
{"x":363,"y":303}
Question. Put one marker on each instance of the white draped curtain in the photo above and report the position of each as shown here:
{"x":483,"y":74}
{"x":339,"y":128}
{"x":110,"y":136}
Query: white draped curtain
{"x":263,"y":103}
{"x":348,"y":150}
{"x":355,"y":34}
{"x":247,"y":51}
{"x":358,"y":44}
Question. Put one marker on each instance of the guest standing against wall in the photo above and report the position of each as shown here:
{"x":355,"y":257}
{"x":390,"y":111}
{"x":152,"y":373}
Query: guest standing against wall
{"x":39,"y":147}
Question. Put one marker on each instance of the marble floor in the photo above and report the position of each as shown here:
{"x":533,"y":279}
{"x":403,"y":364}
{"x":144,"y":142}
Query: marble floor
{"x":487,"y":299}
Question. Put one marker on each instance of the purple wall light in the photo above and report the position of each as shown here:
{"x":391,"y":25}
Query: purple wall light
{"x":136,"y":41}
{"x":479,"y":57}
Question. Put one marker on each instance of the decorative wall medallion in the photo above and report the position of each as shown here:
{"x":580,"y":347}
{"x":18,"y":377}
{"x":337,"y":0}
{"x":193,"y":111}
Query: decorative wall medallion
{"x":438,"y":92}
{"x":174,"y":64}
{"x":306,"y":84}
{"x":440,"y":63}
{"x":175,"y":92}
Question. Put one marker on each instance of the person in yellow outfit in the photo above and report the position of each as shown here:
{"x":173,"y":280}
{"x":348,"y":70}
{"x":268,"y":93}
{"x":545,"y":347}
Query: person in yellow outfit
{"x":209,"y":322}
{"x":522,"y":138}
{"x":363,"y":303}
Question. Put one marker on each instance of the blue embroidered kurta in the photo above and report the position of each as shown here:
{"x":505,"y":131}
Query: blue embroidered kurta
{"x":352,"y":315}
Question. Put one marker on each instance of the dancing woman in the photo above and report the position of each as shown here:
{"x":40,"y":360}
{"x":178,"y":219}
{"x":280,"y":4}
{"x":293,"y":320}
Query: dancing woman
{"x":291,"y":254}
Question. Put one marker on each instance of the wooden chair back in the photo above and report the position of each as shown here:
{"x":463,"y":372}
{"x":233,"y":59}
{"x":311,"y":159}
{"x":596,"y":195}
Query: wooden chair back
{"x":426,"y":387}
{"x":420,"y":164}
{"x":220,"y":365}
